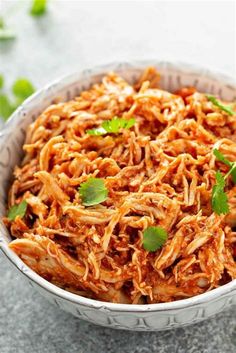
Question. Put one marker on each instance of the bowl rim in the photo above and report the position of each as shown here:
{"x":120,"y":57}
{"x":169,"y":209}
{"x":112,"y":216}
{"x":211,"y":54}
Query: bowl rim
{"x":214,"y":294}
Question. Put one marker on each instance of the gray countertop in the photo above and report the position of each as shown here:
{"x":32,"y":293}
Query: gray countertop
{"x":75,"y":35}
{"x":29,"y":324}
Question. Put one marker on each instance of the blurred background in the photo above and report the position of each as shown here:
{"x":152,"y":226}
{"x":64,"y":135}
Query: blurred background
{"x":73,"y":35}
{"x":70,"y":36}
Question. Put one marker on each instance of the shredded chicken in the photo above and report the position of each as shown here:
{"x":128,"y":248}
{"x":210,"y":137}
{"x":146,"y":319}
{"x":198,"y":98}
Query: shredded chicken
{"x":160,"y":172}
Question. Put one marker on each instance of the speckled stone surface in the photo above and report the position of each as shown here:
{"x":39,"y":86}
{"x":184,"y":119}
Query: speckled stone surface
{"x":29,"y":324}
{"x":72,"y":36}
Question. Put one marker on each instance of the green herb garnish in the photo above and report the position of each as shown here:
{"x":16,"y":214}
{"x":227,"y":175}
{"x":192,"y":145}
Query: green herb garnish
{"x":38,"y":7}
{"x":219,"y":199}
{"x":225,"y":108}
{"x":220,"y":157}
{"x":93,"y":192}
{"x":154,"y":238}
{"x":112,"y":126}
{"x":97,"y":132}
{"x":17,"y":210}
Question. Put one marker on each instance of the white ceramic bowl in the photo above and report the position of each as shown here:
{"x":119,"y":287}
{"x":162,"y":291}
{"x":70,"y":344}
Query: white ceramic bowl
{"x":151,"y":317}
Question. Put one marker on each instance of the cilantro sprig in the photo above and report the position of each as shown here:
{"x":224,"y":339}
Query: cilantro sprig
{"x":93,"y":191}
{"x":112,"y":126}
{"x":225,"y":108}
{"x":220,"y":157}
{"x":154,"y":238}
{"x":17,"y":210}
{"x":38,"y":8}
{"x":219,"y":199}
{"x":21,"y":89}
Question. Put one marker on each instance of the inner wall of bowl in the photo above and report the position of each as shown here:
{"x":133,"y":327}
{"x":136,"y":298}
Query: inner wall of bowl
{"x":12,"y":136}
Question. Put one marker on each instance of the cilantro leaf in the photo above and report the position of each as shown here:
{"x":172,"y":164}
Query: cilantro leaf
{"x":6,"y":108}
{"x":22,"y":89}
{"x":220,"y":157}
{"x":115,"y":124}
{"x":223,"y":107}
{"x":17,"y":210}
{"x":97,"y":132}
{"x":38,"y":7}
{"x":1,"y":81}
{"x":129,"y":123}
{"x":154,"y":238}
{"x":93,"y":192}
{"x":219,"y":198}
{"x":232,"y":171}
{"x":112,"y":126}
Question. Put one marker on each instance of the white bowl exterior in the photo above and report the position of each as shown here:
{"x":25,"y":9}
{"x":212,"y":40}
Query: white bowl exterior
{"x":153,"y":317}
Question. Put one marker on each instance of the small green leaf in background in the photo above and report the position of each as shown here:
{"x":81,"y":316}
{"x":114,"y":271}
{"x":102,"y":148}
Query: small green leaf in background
{"x":1,"y":81}
{"x":6,"y":108}
{"x":38,"y":8}
{"x":22,"y":89}
{"x":1,"y":22}
{"x":5,"y":33}
{"x":17,"y":210}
